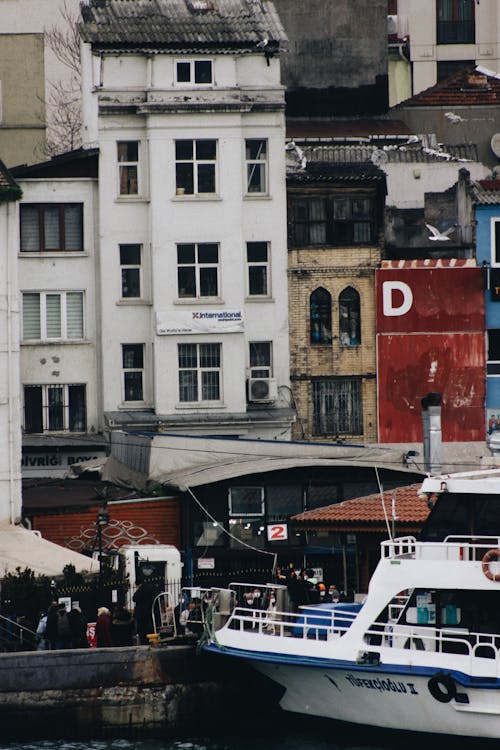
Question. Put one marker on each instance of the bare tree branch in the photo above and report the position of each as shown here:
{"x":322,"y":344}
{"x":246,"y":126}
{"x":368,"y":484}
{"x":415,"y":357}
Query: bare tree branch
{"x":63,"y":105}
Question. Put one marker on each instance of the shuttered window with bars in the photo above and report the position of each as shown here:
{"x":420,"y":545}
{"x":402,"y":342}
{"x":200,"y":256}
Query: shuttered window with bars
{"x":337,"y":406}
{"x":53,"y":315}
{"x":55,"y":408}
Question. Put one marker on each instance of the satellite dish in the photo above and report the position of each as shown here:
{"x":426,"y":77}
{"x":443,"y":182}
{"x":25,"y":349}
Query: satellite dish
{"x":379,"y":157}
{"x":495,"y":144}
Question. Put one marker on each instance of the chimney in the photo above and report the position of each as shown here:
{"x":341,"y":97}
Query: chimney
{"x":431,"y":428}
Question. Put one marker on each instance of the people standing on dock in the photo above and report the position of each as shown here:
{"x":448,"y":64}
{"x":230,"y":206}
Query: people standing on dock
{"x":143,"y":614}
{"x":103,"y":628}
{"x":122,"y":626}
{"x":78,"y":627}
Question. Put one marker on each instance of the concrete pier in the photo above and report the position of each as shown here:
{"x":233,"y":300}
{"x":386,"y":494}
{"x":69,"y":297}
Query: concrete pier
{"x":122,"y":691}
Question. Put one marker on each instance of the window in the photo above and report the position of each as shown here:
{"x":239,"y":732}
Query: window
{"x":133,"y":371}
{"x":320,"y":305}
{"x":52,"y":315}
{"x":195,"y":167}
{"x":246,"y":501}
{"x":256,"y":161}
{"x":198,"y":269}
{"x":258,"y":269}
{"x":349,"y":318}
{"x":261,"y":359}
{"x":128,"y":167}
{"x":493,"y":364}
{"x":455,"y":22}
{"x":198,"y":72}
{"x":199,"y":372}
{"x":495,"y":242}
{"x":209,"y":534}
{"x":284,"y":501}
{"x":331,"y":220}
{"x":51,"y":227}
{"x":49,"y":408}
{"x":447,"y":68}
{"x":337,"y":408}
{"x":130,"y":263}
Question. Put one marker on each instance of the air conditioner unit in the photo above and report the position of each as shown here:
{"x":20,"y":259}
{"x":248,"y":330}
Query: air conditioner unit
{"x":262,"y":389}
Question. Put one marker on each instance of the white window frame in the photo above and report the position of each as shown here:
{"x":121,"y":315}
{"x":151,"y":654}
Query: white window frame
{"x":132,"y":267}
{"x":264,"y":369}
{"x":126,"y":164}
{"x":192,"y":72}
{"x":265,"y":264}
{"x":254,"y":163}
{"x":45,"y":389}
{"x":198,"y":268}
{"x":63,"y":320}
{"x":134,"y":369}
{"x":196,"y":163}
{"x":200,"y":371}
{"x":494,"y":229}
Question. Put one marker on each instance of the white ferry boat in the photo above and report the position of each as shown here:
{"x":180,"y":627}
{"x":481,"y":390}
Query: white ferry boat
{"x":423,"y":651}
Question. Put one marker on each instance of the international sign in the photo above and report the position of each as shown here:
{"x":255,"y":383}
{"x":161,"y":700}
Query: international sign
{"x":199,"y":321}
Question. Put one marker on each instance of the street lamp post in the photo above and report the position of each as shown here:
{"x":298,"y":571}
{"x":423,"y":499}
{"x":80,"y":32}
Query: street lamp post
{"x":102,"y":521}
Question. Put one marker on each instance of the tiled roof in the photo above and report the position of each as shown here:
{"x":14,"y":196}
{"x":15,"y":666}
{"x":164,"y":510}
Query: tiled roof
{"x":466,"y":88}
{"x":430,"y":263}
{"x":188,"y":24}
{"x":409,"y":509}
{"x":321,"y":172}
{"x":487,"y":192}
{"x":81,"y":162}
{"x":404,"y":153}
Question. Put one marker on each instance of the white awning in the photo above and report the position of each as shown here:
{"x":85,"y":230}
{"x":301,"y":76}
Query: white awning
{"x":20,"y":548}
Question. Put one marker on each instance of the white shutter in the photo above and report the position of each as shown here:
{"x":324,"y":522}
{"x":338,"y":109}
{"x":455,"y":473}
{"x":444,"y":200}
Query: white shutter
{"x":74,"y":315}
{"x":31,"y":316}
{"x":53,"y":315}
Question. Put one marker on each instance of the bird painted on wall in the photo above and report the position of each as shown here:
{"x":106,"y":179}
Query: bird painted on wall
{"x":437,"y":236}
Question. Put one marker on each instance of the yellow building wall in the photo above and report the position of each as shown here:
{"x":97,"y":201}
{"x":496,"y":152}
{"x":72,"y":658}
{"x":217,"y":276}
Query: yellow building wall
{"x":334,"y":269}
{"x":22,"y":99}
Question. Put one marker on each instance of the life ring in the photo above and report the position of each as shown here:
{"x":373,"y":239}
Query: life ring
{"x":442,"y":687}
{"x":493,"y":555}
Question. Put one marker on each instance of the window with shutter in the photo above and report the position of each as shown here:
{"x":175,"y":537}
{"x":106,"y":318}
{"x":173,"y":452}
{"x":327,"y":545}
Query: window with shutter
{"x":51,"y":227}
{"x":53,"y":315}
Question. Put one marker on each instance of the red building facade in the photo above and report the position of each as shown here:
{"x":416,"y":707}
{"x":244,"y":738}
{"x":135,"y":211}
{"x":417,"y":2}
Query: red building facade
{"x":430,"y":338}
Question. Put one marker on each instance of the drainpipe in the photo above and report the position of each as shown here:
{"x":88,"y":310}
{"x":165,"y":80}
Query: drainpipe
{"x":431,"y":429}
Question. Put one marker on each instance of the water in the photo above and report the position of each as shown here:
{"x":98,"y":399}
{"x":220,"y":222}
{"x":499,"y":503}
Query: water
{"x":291,"y":735}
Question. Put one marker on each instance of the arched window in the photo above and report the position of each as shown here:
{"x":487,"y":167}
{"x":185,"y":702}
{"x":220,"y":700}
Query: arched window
{"x":320,"y":306}
{"x":349,"y":318}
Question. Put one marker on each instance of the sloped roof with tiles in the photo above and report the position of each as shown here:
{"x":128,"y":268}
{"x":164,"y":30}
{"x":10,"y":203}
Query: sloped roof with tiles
{"x":467,"y":88}
{"x":333,"y":172}
{"x":487,"y":192}
{"x":402,"y":504}
{"x":187,"y":25}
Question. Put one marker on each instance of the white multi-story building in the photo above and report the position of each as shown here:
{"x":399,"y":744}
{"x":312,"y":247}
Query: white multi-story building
{"x":445,"y":34}
{"x":185,"y":103}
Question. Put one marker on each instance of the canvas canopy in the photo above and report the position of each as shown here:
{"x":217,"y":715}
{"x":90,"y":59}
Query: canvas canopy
{"x":20,"y":548}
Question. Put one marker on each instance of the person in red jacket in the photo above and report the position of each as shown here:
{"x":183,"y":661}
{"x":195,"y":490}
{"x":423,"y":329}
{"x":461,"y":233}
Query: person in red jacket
{"x":103,"y":628}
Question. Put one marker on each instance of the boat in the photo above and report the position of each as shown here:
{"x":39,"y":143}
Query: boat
{"x":421,"y":653}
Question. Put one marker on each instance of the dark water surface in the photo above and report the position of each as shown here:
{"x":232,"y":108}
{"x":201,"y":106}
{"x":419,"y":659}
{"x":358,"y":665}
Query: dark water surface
{"x":285,"y":735}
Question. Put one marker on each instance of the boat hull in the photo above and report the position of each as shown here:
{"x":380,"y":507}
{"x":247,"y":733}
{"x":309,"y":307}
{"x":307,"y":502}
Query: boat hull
{"x":414,"y":699}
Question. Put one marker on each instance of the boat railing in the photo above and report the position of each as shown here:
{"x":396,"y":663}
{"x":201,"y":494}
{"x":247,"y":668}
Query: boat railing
{"x":324,"y":624}
{"x":455,"y":548}
{"x":442,"y":640}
